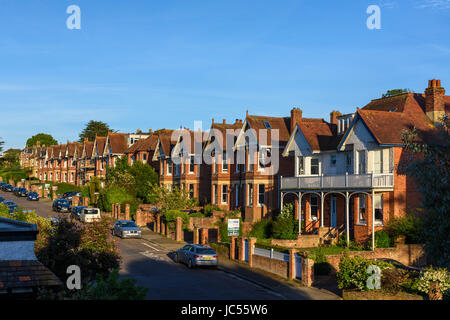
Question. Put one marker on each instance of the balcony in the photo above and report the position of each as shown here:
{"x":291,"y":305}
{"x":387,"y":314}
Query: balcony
{"x":347,"y":181}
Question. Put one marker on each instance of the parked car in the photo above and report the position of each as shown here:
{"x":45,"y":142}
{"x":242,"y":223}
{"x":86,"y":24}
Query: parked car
{"x":7,"y":188}
{"x":33,"y":196}
{"x":2,"y":199}
{"x":89,"y":214}
{"x":126,"y":229}
{"x":70,"y":194}
{"x":194,"y":255}
{"x":22,"y":192}
{"x":398,"y":264}
{"x":61,"y":205}
{"x":54,"y":221}
{"x":76,"y":211}
{"x":14,"y":190}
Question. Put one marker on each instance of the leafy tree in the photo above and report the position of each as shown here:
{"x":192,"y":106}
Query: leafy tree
{"x":144,"y":177}
{"x":394,"y":92}
{"x":93,"y":129}
{"x":430,"y":165}
{"x":43,"y":138}
{"x":174,"y":199}
{"x":10,"y":157}
{"x":1,"y":145}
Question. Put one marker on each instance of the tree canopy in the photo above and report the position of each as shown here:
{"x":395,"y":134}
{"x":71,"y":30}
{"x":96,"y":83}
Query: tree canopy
{"x":430,"y":167}
{"x":394,"y":92}
{"x":42,"y":138}
{"x":1,"y":145}
{"x":94,"y":128}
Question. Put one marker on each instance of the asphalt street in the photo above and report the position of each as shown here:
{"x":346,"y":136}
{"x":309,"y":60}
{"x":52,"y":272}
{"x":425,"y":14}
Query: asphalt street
{"x":152,"y":266}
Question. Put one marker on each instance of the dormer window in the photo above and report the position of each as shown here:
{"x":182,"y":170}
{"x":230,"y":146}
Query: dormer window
{"x":267,"y":125}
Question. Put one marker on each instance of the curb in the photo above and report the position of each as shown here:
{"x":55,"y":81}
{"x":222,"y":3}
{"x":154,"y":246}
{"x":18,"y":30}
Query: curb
{"x":250,"y":280}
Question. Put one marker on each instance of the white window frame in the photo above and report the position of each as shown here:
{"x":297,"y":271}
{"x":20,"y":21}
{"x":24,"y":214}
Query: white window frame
{"x":362,"y":200}
{"x":316,"y":217}
{"x":250,"y":194}
{"x":378,"y":204}
{"x":311,"y":166}
{"x":224,"y":162}
{"x":263,"y":194}
{"x":224,"y":188}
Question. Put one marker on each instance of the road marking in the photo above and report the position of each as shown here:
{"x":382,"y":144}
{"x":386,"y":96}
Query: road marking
{"x":145,"y":244}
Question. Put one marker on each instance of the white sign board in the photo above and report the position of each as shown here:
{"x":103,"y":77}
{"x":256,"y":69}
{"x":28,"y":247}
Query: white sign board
{"x":233,"y":227}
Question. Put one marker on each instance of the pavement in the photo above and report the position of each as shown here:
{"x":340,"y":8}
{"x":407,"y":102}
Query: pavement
{"x":281,"y":287}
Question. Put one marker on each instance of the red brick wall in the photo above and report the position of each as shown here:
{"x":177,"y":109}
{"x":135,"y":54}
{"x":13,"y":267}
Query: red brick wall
{"x":277,"y":267}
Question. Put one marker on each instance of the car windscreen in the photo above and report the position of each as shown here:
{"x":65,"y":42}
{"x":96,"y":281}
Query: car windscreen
{"x":205,"y":251}
{"x":128,"y":224}
{"x":92,"y":211}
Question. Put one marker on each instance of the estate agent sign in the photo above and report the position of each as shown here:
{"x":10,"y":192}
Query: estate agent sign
{"x":233,"y":227}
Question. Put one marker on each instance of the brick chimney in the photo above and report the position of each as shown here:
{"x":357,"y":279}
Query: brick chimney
{"x":296,"y":116}
{"x":85,"y":139}
{"x":434,"y":100}
{"x":334,"y":116}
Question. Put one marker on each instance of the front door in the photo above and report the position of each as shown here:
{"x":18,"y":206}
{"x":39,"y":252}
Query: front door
{"x":333,"y":212}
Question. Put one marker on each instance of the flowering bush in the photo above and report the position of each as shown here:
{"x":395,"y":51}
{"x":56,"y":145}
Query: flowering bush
{"x":353,"y":273}
{"x":438,"y":276}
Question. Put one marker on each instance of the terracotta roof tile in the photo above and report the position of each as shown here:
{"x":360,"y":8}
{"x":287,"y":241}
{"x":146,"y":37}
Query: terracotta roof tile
{"x":319,"y":134}
{"x":100,"y":142}
{"x":26,"y":273}
{"x":118,"y":142}
{"x":283,"y":125}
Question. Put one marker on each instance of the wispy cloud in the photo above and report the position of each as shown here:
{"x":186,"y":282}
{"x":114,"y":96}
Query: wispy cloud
{"x":433,"y":4}
{"x":60,"y":87}
{"x":388,"y":4}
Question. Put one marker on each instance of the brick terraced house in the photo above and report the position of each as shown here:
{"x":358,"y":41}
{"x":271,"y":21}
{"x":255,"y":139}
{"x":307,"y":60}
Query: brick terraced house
{"x":346,"y":173}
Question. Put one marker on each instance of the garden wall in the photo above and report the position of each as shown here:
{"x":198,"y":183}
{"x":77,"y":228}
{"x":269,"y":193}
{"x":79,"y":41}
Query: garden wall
{"x":408,"y":254}
{"x":277,"y":267}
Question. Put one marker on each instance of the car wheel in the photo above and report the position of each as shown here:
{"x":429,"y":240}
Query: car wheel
{"x":175,"y":258}
{"x":190,"y":264}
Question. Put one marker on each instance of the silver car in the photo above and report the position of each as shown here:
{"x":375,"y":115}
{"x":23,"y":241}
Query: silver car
{"x":126,"y":229}
{"x":194,"y":255}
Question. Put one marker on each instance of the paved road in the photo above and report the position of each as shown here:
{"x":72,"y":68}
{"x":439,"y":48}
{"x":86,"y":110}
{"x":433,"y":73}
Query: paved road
{"x":42,"y":207}
{"x":151,"y":265}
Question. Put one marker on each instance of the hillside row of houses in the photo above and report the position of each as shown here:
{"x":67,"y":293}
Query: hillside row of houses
{"x":339,"y":172}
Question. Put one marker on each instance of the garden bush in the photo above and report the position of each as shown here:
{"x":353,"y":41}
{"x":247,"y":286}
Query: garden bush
{"x":437,"y":276}
{"x":285,"y":226}
{"x":262,"y":229}
{"x":409,"y":226}
{"x":353,"y":274}
{"x":382,"y":239}
{"x":111,"y":195}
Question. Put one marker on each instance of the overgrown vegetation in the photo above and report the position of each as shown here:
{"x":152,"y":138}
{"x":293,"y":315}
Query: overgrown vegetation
{"x":409,"y":226}
{"x":429,"y":165}
{"x":285,"y":226}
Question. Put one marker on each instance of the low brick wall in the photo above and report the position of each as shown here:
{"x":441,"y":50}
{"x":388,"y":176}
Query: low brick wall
{"x":277,"y":267}
{"x":303,"y":241}
{"x":408,"y":254}
{"x":202,"y":222}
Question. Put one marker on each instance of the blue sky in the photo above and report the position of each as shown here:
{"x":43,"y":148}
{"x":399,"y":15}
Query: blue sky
{"x":154,"y":64}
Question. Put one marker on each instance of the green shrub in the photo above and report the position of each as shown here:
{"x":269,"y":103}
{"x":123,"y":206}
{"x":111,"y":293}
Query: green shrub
{"x":112,"y":195}
{"x":439,"y":276}
{"x":134,"y":204}
{"x":382,"y":239}
{"x":197,"y":215}
{"x":207,"y":210}
{"x":353,"y":274}
{"x":409,"y":226}
{"x":66,"y":187}
{"x":172,"y":215}
{"x":285,"y":226}
{"x":262,"y":229}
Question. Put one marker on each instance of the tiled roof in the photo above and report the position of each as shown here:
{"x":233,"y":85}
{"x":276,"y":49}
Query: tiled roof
{"x":89,"y":145}
{"x":223,"y":129}
{"x":387,"y":127}
{"x":319,"y":134}
{"x":118,"y":142}
{"x":71,"y":148}
{"x":165,"y":138}
{"x":283,"y":125}
{"x":147,"y":144}
{"x":447,"y":104}
{"x":26,"y":274}
{"x":100,"y":142}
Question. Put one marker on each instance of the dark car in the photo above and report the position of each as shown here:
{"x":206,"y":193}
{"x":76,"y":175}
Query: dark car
{"x":22,"y":192}
{"x":7,"y":188}
{"x":194,"y":255}
{"x":61,"y":205}
{"x":70,"y":194}
{"x":126,"y":229}
{"x":14,"y":190}
{"x":2,"y":199}
{"x":76,"y":211}
{"x":399,"y":265}
{"x":33,"y":196}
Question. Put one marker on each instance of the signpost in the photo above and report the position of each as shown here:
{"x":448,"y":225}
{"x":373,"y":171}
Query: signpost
{"x":233,"y":227}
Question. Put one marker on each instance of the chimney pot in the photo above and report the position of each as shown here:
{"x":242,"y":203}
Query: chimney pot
{"x":224,"y":121}
{"x":334,"y":116}
{"x":296,"y":116}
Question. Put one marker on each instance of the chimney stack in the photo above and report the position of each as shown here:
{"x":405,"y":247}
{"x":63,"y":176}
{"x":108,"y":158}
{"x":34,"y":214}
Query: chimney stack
{"x":434,"y":100}
{"x":85,"y":139}
{"x":212,"y":120}
{"x":224,"y":121}
{"x":296,"y":116}
{"x":334,"y":116}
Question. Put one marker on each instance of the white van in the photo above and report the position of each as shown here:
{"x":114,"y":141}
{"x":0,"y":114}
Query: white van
{"x":89,"y":214}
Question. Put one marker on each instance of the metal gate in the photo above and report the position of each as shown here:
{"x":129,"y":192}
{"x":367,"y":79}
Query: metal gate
{"x":298,"y":266}
{"x":246,"y":250}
